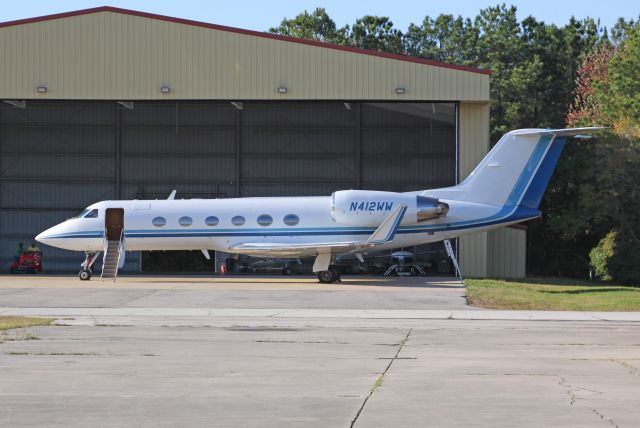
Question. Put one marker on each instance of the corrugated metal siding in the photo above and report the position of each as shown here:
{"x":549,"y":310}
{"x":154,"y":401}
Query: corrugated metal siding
{"x":474,"y":145}
{"x":507,"y":253}
{"x":110,"y":55}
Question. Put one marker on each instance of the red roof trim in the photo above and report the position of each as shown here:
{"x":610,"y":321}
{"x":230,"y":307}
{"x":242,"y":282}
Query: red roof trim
{"x":246,"y":32}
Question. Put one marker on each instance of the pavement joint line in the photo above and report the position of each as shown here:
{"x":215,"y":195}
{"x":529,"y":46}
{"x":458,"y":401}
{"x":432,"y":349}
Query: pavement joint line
{"x":415,"y":314}
{"x":380,"y":378}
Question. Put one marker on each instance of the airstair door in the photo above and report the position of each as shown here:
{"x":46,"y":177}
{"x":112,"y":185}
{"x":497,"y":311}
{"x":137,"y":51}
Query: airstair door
{"x":114,"y":223}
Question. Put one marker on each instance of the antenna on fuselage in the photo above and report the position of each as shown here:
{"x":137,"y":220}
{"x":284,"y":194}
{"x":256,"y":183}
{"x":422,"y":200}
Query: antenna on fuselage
{"x":172,"y":195}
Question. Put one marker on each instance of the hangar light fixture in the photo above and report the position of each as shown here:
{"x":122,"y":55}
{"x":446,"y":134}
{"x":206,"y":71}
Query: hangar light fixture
{"x":126,"y":104}
{"x":400,"y":90}
{"x":282,"y":89}
{"x":16,"y":103}
{"x":165,"y":89}
{"x":347,"y":106}
{"x":237,"y":104}
{"x":41,"y":89}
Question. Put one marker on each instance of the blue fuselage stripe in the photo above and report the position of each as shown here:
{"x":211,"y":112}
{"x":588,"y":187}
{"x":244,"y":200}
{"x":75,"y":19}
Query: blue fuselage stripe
{"x":522,"y":204}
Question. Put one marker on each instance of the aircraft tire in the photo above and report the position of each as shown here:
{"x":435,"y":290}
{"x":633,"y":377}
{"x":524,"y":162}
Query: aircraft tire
{"x":84,"y":275}
{"x":327,"y":276}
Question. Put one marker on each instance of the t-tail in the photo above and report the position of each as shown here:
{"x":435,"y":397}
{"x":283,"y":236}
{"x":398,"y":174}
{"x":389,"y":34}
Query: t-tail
{"x":517,"y":171}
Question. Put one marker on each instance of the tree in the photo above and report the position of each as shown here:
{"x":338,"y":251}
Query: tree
{"x":445,"y":39}
{"x":314,"y":26}
{"x":592,"y":208}
{"x":376,"y":33}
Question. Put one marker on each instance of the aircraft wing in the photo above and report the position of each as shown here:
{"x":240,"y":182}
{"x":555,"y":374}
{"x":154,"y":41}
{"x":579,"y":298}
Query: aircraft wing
{"x":384,"y":233}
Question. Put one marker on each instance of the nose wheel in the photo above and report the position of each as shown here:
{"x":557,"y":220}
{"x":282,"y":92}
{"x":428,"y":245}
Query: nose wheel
{"x":90,"y":258}
{"x":84,"y":275}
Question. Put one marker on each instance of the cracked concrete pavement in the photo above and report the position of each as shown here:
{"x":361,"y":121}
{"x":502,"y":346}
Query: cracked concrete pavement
{"x":138,"y":363}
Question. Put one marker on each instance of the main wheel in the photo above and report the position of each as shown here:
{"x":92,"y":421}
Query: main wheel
{"x":84,"y":275}
{"x":327,"y":276}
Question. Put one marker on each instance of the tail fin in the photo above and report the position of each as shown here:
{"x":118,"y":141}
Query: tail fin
{"x":517,"y":170}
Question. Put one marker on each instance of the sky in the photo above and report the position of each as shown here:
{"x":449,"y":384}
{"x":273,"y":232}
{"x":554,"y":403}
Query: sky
{"x":262,"y":14}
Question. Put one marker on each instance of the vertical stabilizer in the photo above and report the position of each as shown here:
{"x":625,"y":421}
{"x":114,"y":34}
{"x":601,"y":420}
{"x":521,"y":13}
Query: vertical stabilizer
{"x":516,"y":172}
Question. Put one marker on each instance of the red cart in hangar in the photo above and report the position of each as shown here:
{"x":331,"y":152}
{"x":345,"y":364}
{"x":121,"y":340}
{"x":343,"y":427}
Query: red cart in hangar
{"x":29,"y":262}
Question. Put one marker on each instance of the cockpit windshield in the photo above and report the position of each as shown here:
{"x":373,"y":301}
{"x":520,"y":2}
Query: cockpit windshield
{"x":88,"y":214}
{"x":82,"y":214}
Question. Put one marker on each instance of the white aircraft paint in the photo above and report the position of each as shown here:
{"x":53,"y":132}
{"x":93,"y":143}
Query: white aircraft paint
{"x":505,"y":188}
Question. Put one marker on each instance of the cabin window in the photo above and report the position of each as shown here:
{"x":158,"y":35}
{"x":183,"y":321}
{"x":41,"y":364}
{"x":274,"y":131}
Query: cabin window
{"x":212,"y":220}
{"x":238,"y":220}
{"x":291,"y":219}
{"x":265,"y":220}
{"x":159,"y":221}
{"x":185,"y":221}
{"x":92,"y":214}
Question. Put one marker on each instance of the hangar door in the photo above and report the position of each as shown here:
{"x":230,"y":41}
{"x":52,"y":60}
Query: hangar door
{"x":57,"y":157}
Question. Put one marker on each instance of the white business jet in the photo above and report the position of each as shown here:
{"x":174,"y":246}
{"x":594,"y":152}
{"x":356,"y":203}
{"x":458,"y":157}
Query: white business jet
{"x":505,"y":188}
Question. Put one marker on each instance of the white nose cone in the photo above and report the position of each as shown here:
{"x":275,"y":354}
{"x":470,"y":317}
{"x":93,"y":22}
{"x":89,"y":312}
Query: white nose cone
{"x":41,"y":236}
{"x":53,"y":238}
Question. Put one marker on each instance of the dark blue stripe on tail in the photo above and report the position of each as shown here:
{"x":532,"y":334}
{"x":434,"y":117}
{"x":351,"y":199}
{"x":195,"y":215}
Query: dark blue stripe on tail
{"x":534,"y":193}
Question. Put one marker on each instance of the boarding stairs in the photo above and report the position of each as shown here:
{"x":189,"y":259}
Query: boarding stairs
{"x":452,"y":255}
{"x":113,"y":253}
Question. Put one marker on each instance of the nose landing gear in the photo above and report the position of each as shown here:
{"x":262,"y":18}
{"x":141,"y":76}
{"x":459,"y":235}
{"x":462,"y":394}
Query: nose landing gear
{"x":90,"y":258}
{"x":85,"y":274}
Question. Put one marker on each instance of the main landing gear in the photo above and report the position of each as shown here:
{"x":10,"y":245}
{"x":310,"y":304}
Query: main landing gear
{"x":329,"y":276}
{"x":90,"y":258}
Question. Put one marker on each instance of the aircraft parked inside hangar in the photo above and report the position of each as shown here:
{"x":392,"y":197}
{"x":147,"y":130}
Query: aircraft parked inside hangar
{"x":505,"y":188}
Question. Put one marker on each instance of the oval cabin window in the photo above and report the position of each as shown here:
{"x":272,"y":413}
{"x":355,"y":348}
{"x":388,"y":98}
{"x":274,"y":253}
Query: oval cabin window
{"x":238,"y":220}
{"x":159,"y":221}
{"x":265,"y":220}
{"x":185,"y":221}
{"x":212,"y":220}
{"x":291,"y":219}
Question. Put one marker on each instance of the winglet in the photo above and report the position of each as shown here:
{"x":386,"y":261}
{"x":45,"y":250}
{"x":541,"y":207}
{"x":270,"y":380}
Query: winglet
{"x":172,"y":195}
{"x":387,"y":230}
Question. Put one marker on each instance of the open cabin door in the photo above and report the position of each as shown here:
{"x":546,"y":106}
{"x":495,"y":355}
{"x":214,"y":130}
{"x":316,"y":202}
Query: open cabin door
{"x":114,"y":223}
{"x":113,"y":256}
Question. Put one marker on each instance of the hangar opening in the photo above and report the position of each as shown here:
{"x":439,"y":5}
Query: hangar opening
{"x":60,"y":156}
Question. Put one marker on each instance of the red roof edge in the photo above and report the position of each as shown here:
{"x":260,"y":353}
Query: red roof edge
{"x":246,"y":32}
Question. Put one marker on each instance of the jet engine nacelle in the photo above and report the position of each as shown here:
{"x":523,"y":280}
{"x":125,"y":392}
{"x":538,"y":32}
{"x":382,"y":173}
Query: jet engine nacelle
{"x":369,"y":208}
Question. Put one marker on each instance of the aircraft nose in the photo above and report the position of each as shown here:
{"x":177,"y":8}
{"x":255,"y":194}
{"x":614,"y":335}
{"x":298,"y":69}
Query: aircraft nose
{"x":42,"y":236}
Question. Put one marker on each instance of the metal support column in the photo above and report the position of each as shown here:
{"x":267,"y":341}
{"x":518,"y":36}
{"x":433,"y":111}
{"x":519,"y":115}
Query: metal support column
{"x":238,"y":148}
{"x":0,"y":169}
{"x":118,"y":155}
{"x":359,"y":146}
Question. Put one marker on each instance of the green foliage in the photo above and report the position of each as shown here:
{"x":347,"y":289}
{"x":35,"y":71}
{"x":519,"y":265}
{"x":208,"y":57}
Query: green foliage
{"x":620,"y":91}
{"x":376,"y":33}
{"x":446,"y":39}
{"x":602,"y":254}
{"x":616,"y":257}
{"x":313,"y":26}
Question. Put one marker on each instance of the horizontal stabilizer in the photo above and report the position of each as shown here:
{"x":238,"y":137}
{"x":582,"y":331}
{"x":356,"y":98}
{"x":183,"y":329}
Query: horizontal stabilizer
{"x":566,"y":132}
